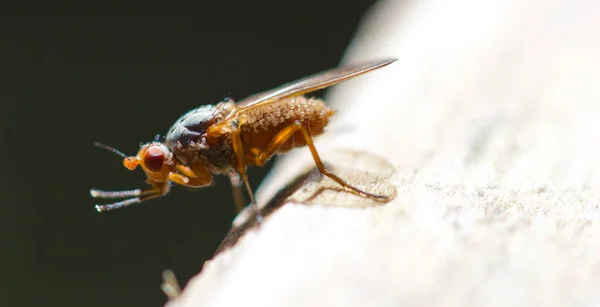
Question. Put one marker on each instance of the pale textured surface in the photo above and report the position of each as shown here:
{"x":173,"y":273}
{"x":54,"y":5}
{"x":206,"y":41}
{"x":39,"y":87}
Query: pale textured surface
{"x":491,"y":120}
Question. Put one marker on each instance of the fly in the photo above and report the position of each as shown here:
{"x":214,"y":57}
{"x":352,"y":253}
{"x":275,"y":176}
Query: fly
{"x":227,"y":137}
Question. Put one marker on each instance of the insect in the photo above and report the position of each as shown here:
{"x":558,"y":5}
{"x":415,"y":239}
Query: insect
{"x":227,"y":137}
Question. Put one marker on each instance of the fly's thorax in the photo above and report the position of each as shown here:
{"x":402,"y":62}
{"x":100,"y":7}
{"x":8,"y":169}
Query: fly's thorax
{"x":189,"y":142}
{"x":217,"y":156}
{"x":190,"y":127}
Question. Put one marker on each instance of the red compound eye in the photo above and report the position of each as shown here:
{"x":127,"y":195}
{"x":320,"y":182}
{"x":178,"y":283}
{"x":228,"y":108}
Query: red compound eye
{"x":154,"y":159}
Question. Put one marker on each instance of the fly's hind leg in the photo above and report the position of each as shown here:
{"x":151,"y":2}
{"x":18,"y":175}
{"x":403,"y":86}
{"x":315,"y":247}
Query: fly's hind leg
{"x":288,"y":132}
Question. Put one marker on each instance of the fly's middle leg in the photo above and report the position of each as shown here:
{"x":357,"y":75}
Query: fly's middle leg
{"x":240,"y":166}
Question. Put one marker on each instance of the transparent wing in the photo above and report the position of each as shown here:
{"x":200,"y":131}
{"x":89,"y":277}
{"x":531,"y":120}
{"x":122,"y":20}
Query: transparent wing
{"x":310,"y":84}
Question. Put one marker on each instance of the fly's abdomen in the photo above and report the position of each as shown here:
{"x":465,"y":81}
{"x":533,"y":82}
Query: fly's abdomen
{"x":262,"y":124}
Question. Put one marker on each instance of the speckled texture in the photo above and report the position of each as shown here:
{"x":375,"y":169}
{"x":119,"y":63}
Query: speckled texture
{"x":260,"y":125}
{"x":491,"y":119}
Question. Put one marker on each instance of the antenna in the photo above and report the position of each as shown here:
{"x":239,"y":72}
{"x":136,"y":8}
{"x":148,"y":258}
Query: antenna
{"x":111,"y":149}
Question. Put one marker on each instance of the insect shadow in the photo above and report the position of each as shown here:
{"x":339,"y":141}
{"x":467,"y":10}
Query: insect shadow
{"x":312,"y":191}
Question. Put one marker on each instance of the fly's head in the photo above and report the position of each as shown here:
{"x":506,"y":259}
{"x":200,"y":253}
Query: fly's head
{"x":155,"y":159}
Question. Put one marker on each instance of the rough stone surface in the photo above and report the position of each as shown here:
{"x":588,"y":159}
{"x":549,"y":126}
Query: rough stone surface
{"x":491,"y":120}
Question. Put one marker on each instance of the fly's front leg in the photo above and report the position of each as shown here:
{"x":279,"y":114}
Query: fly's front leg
{"x":185,"y":170}
{"x":187,"y":181}
{"x":285,"y":134}
{"x":192,"y":177}
{"x":240,"y":167}
{"x":136,"y":196}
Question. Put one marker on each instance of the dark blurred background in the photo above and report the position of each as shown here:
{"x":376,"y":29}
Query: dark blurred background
{"x":71,"y":75}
